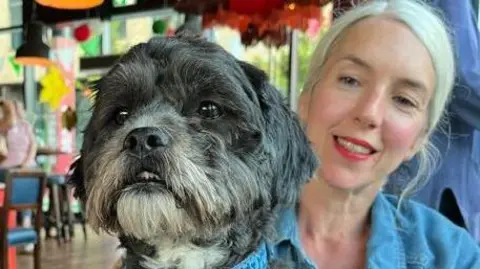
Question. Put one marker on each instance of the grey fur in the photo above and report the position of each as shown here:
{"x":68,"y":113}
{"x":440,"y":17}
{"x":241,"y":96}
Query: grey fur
{"x":223,"y":179}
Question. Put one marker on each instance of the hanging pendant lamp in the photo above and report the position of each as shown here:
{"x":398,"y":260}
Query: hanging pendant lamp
{"x":33,"y":51}
{"x":70,"y":4}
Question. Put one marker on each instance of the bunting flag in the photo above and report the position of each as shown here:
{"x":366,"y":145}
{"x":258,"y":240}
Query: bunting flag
{"x":92,"y":47}
{"x":17,"y":68}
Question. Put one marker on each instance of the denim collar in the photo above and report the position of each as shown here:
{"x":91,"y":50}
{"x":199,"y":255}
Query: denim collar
{"x":287,"y":229}
{"x":384,"y":247}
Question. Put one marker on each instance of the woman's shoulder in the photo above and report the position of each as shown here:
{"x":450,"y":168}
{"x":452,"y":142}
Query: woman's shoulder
{"x":416,"y":215}
{"x":427,"y":232}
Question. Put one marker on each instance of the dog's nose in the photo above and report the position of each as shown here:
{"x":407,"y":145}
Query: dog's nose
{"x":142,"y":141}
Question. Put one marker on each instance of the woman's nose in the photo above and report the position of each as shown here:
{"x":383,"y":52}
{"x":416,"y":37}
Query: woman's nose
{"x":369,"y":110}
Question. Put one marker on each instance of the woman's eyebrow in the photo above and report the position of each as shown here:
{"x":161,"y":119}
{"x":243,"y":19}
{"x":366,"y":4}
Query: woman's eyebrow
{"x":357,"y":61}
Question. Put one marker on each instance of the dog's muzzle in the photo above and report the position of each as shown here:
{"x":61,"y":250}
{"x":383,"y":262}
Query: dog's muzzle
{"x":141,"y":142}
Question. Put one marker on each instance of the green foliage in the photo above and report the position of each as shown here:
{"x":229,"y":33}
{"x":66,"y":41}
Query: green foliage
{"x":118,"y":36}
{"x":123,"y":3}
{"x":280,"y":73}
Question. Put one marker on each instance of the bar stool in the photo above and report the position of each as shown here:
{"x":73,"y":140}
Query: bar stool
{"x":60,"y":202}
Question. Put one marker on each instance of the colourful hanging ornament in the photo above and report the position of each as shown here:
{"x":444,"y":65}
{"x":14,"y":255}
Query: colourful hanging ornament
{"x":250,"y":7}
{"x":69,"y":119}
{"x":82,"y":33}
{"x":159,"y":27}
{"x":53,"y":88}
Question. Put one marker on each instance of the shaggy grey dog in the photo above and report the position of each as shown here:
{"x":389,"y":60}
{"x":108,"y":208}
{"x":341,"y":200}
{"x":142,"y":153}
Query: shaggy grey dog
{"x":188,"y":156}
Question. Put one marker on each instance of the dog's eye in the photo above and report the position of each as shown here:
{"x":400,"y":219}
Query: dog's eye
{"x":209,"y":110}
{"x":121,"y":116}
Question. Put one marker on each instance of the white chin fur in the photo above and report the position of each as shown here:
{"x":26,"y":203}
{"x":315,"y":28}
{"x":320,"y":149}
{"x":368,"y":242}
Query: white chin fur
{"x":150,"y":215}
{"x":154,"y":218}
{"x":184,"y":255}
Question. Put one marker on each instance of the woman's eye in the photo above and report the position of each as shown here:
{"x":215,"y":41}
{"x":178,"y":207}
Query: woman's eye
{"x":403,"y":101}
{"x":349,"y":81}
{"x":209,"y":110}
{"x":121,"y":116}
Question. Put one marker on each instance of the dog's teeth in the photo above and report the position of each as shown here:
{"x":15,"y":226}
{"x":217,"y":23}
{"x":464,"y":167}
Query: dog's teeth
{"x":144,"y":174}
{"x":147,"y":175}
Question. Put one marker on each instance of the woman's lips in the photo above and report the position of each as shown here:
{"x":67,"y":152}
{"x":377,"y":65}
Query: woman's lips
{"x":353,"y":149}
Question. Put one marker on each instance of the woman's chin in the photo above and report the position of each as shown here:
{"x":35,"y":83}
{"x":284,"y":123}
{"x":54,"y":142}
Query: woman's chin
{"x":344,"y":180}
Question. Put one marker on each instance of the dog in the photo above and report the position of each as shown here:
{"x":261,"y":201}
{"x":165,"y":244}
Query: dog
{"x":188,"y":156}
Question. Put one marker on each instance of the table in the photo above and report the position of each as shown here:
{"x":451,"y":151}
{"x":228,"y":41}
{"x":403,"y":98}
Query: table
{"x":12,"y":222}
{"x":47,"y":151}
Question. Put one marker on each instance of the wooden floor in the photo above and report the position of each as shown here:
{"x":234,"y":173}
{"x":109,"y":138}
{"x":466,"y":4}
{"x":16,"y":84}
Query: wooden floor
{"x":97,"y":252}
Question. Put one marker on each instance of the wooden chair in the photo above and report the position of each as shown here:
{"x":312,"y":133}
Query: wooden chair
{"x":23,"y":191}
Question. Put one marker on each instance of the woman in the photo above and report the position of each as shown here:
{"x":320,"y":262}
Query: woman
{"x":21,"y":144}
{"x":378,"y":84}
{"x":7,"y":118}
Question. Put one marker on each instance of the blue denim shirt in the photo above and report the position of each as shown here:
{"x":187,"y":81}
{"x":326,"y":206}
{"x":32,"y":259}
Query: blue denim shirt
{"x":416,"y":238}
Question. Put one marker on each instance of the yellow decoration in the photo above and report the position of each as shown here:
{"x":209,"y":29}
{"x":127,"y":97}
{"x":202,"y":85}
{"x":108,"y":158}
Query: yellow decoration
{"x":53,"y":88}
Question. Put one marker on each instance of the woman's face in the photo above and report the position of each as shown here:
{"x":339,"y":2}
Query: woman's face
{"x":368,"y":112}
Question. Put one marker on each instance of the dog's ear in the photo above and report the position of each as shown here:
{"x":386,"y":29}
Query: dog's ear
{"x":187,"y":33}
{"x":76,"y":178}
{"x":191,"y":27}
{"x":294,"y":162}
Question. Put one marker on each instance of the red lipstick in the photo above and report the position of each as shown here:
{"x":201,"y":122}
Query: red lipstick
{"x":351,"y":155}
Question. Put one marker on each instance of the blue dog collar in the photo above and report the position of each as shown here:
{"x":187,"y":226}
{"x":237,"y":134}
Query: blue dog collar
{"x":256,"y":260}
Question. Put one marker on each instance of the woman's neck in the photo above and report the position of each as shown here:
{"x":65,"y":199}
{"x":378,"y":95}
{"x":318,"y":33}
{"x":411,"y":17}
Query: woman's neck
{"x":334,"y":215}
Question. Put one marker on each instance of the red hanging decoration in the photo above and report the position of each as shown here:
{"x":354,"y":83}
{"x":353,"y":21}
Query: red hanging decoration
{"x":82,"y":33}
{"x":250,"y":7}
{"x":197,"y":6}
{"x":270,"y":28}
{"x":259,"y":20}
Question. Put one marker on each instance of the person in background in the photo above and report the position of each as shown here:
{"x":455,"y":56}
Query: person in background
{"x":21,"y":144}
{"x":22,"y":147}
{"x":378,"y":84}
{"x":30,"y":157}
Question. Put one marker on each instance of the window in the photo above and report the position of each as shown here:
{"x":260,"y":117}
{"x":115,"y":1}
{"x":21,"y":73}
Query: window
{"x":16,"y":18}
{"x":123,"y":3}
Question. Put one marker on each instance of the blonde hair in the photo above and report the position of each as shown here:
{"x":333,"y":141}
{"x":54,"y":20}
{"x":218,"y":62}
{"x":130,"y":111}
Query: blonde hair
{"x":19,"y":109}
{"x":9,"y":115}
{"x":429,"y":28}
